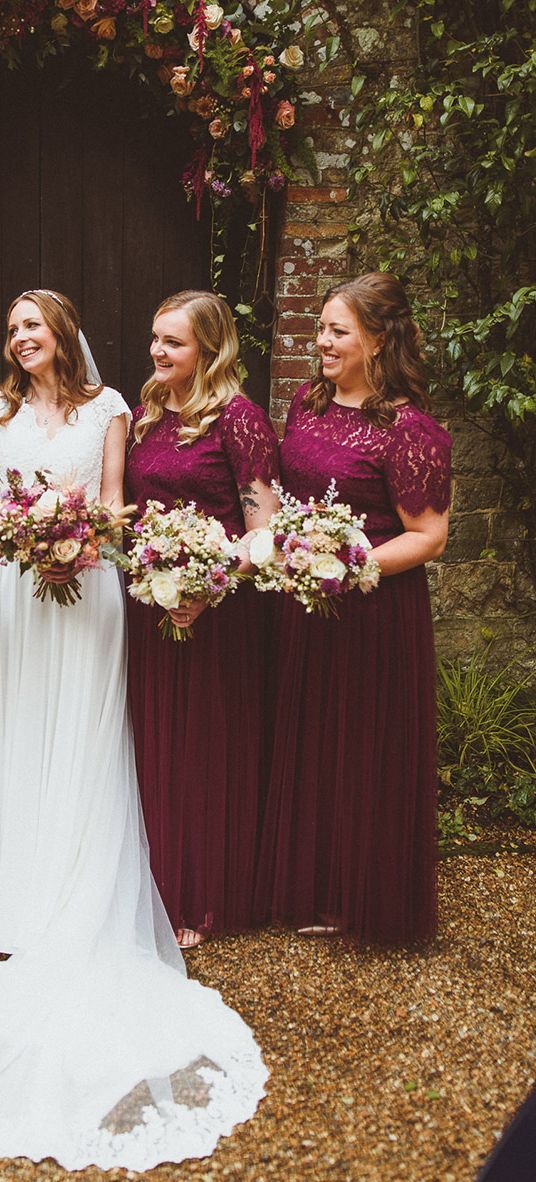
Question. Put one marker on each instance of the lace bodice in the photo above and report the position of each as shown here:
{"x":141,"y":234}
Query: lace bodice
{"x":376,"y":469}
{"x":239,"y":446}
{"x":74,"y":453}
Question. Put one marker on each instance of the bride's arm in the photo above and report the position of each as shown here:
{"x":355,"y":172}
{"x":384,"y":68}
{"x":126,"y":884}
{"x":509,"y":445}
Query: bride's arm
{"x":113,"y":464}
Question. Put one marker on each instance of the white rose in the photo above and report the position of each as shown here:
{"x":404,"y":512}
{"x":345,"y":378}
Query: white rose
{"x":261,"y":547}
{"x":213,"y":16}
{"x":292,"y":57}
{"x":193,"y":38}
{"x":326,"y":566}
{"x":165,"y":590}
{"x":66,"y":551}
{"x":141,"y":591}
{"x":356,"y":537}
{"x":46,"y":505}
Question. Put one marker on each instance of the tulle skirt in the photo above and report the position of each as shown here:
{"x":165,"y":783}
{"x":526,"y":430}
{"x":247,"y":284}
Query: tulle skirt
{"x":108,"y":1054}
{"x":197,"y":709}
{"x":349,"y":829}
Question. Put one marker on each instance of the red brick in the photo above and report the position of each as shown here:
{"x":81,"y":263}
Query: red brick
{"x":292,"y":302}
{"x":309,"y":195}
{"x":300,"y":347}
{"x":289,"y":323}
{"x":289,"y":367}
{"x":315,"y":230}
{"x":283,"y":389}
{"x":297,"y":284}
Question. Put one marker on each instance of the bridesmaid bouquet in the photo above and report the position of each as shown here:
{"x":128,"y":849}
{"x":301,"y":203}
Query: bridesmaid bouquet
{"x":314,"y":551}
{"x":58,"y":530}
{"x":179,"y":555}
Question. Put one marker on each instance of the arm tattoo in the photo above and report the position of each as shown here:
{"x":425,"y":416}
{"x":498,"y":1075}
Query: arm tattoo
{"x":247,"y":497}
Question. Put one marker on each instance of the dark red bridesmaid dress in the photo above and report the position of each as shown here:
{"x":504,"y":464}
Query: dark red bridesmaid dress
{"x":349,"y":829}
{"x":196,"y":705}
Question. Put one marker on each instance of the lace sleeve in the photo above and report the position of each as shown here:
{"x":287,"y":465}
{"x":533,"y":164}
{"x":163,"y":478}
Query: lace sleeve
{"x":109,"y":404}
{"x":417,"y":466}
{"x":250,"y":442}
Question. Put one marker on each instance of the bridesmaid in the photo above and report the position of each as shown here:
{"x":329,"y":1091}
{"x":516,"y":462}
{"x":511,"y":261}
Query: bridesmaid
{"x":196,"y":705}
{"x":349,"y":834}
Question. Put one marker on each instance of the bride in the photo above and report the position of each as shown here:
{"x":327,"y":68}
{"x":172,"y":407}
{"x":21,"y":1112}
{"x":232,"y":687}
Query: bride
{"x":108,"y":1054}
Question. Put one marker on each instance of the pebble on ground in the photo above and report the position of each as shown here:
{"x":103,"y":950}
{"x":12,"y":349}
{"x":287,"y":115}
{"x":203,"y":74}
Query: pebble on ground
{"x":399,"y":1066}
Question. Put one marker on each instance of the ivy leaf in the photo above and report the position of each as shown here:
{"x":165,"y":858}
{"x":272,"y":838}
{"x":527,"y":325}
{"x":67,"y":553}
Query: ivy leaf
{"x":358,"y":82}
{"x":438,"y":28}
{"x":466,"y":104}
{"x":506,"y":363}
{"x":243,"y":309}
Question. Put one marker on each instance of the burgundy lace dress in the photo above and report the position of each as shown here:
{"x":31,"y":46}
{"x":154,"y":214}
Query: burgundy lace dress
{"x":196,"y":705}
{"x":349,"y":829}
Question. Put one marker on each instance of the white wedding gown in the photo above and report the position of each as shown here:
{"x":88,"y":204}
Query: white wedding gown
{"x":108,"y":1054}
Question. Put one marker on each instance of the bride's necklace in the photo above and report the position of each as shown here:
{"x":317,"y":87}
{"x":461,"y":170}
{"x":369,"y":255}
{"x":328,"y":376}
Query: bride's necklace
{"x":50,"y":414}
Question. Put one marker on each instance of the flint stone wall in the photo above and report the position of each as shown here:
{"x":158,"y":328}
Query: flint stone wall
{"x":481,"y":588}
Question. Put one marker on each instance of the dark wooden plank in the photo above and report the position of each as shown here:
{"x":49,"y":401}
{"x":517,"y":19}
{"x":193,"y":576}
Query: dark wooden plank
{"x":61,"y":181}
{"x":143,"y":243}
{"x":102,"y":203}
{"x":20,"y":188}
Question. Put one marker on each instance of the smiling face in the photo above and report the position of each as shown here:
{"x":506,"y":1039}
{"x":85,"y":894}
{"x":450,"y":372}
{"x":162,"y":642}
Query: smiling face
{"x":343,"y":346}
{"x":31,"y":342}
{"x":174,"y":350}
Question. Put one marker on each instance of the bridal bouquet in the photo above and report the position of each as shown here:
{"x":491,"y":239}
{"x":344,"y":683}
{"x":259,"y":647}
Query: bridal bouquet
{"x":314,"y":551}
{"x":48,"y":529}
{"x":180,"y":555}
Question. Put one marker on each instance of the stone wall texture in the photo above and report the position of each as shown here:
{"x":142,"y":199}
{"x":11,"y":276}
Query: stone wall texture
{"x":481,"y":589}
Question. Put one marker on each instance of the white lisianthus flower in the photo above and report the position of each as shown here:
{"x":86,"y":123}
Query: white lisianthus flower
{"x":228,"y":548}
{"x":369,"y":582}
{"x":356,"y":537}
{"x":261,"y":547}
{"x":165,"y":590}
{"x":292,"y":57}
{"x":142,"y":591}
{"x":215,"y":534}
{"x":213,"y":16}
{"x":66,"y":551}
{"x":193,"y":38}
{"x":327,"y":566}
{"x":46,"y":505}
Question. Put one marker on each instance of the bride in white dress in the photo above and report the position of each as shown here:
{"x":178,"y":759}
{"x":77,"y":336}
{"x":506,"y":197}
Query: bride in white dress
{"x":108,"y":1054}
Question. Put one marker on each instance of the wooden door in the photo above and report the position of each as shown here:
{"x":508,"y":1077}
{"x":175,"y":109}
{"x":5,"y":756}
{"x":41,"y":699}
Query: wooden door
{"x":91,"y":205}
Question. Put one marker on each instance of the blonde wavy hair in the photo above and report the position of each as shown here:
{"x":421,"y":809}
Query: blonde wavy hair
{"x":380,"y":305}
{"x":214,"y":380}
{"x":63,"y":320}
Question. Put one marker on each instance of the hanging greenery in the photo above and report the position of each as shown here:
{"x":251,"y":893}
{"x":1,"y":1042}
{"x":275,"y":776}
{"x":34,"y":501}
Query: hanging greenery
{"x":230,"y":70}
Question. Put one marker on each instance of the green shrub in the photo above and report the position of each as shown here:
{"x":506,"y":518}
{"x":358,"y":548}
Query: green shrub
{"x":485,"y":719}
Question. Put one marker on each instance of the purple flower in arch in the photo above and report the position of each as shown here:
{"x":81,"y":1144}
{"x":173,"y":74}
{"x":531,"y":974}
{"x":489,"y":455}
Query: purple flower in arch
{"x":220,"y":189}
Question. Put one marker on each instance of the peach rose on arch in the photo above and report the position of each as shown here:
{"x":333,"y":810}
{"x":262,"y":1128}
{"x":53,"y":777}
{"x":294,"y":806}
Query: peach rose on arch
{"x":105,"y":28}
{"x":85,"y":9}
{"x":285,"y":115}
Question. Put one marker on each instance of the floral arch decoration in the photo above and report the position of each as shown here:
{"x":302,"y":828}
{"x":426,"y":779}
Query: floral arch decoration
{"x":231,"y":69}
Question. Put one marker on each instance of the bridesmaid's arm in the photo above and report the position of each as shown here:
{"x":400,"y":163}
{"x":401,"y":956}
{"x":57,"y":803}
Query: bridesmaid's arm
{"x":424,"y":538}
{"x":258,"y":503}
{"x":113,"y":464}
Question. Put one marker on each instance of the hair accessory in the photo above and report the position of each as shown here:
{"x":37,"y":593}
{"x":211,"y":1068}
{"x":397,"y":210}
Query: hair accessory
{"x":43,"y":291}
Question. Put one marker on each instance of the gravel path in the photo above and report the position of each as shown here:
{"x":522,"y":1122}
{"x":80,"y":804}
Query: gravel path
{"x":385,"y":1067}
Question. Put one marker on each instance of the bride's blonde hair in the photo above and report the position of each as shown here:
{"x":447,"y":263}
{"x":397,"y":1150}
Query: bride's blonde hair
{"x":214,"y":379}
